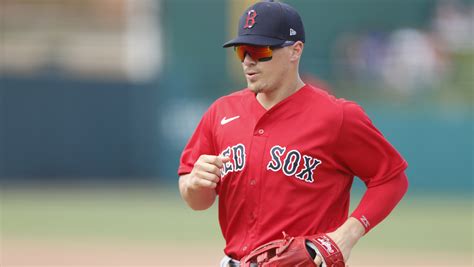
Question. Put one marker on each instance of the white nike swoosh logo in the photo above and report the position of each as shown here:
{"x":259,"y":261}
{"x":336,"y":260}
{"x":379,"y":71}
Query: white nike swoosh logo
{"x":225,"y":120}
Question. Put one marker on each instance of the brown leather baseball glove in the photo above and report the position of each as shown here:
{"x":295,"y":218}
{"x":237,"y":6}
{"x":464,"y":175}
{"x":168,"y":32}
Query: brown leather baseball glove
{"x":295,"y":251}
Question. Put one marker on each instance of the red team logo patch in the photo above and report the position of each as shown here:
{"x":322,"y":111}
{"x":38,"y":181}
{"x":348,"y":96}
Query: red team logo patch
{"x":250,"y":20}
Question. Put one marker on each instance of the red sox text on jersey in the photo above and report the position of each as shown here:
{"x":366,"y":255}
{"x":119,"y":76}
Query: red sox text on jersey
{"x":288,"y":163}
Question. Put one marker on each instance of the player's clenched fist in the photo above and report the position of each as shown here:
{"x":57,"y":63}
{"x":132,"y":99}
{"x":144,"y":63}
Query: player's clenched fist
{"x":207,"y":171}
{"x":197,"y":187}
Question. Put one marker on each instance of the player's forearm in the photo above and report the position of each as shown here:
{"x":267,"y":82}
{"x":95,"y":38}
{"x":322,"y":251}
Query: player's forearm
{"x":197,"y":198}
{"x":379,"y":201}
{"x":352,"y":230}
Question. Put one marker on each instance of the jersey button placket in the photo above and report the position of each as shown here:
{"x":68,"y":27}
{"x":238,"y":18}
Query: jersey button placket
{"x":256,"y":157}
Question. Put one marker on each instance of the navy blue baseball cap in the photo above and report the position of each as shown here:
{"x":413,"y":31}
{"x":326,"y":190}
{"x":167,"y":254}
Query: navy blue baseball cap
{"x":269,"y":23}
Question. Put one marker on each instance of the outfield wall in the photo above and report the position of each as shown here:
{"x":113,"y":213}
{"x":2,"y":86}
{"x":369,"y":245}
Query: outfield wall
{"x":61,"y":130}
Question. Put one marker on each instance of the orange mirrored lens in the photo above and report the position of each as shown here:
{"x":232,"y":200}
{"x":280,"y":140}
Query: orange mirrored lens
{"x":259,"y":53}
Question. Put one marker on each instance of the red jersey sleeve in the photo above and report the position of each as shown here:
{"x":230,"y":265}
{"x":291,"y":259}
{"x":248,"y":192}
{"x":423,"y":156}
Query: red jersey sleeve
{"x":201,"y":142}
{"x":363,"y":151}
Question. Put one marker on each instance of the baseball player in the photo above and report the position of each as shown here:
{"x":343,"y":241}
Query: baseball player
{"x":281,"y":156}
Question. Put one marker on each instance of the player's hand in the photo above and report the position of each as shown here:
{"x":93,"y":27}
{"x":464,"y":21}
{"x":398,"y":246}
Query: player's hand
{"x":206,"y":172}
{"x":345,"y":237}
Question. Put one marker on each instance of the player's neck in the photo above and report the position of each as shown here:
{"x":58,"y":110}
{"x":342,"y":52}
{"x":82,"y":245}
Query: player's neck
{"x":270,"y":98}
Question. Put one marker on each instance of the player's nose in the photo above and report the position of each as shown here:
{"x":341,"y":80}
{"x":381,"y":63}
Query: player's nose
{"x":248,"y":60}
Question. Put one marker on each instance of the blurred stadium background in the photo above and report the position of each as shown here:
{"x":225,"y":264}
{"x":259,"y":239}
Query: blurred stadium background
{"x":98,"y":98}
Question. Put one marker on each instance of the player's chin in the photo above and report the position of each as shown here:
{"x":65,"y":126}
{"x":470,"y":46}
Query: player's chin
{"x":254,"y":87}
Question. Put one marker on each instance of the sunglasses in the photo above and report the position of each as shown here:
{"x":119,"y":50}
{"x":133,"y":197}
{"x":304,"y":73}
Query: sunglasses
{"x":258,"y":53}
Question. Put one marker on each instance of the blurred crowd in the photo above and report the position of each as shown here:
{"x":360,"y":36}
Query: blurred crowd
{"x":409,"y":60}
{"x":126,"y":40}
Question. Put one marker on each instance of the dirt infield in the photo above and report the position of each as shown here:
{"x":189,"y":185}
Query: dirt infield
{"x":16,"y":253}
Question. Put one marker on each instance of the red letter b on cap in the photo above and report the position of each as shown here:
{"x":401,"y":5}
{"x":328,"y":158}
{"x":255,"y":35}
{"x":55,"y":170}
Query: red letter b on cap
{"x":250,"y":20}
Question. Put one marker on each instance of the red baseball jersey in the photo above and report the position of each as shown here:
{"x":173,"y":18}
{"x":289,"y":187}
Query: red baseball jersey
{"x":291,"y":167}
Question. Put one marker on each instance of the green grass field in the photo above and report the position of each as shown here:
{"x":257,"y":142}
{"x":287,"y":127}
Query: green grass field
{"x":422,"y":223}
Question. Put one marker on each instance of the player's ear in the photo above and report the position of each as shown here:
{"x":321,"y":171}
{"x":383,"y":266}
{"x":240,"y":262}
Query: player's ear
{"x":296,"y":51}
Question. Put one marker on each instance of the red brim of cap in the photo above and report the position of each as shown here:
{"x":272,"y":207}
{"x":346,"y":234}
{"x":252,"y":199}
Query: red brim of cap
{"x":254,"y":40}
